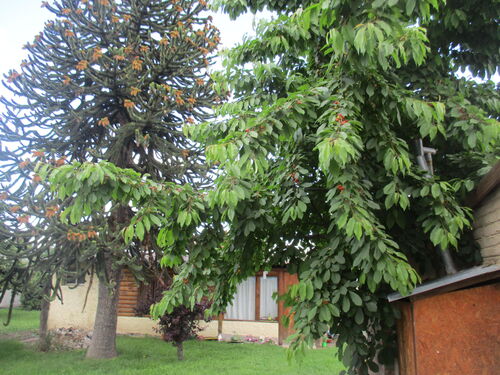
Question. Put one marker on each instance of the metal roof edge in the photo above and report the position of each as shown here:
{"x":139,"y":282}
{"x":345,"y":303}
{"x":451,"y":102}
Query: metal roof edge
{"x":470,"y":275}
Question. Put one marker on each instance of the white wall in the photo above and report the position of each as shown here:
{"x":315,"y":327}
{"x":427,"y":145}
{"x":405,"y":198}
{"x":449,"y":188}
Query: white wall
{"x":4,"y":303}
{"x":69,"y":314}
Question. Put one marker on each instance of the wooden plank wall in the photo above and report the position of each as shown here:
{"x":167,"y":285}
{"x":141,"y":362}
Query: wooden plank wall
{"x":285,"y":280}
{"x":129,"y":292}
{"x":406,"y":339}
{"x":487,"y":227}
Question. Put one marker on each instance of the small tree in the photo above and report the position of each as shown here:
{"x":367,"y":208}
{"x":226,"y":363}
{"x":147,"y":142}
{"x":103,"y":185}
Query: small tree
{"x":182,"y":324}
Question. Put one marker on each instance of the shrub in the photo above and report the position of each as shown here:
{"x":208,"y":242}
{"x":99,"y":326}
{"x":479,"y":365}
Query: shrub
{"x":182,"y":324}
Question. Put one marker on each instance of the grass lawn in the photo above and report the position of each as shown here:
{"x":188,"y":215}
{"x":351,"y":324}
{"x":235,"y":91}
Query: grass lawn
{"x":21,"y":320}
{"x":151,"y":356}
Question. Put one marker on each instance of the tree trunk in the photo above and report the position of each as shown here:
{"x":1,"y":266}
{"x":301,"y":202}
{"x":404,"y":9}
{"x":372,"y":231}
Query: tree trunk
{"x":44,"y":317}
{"x":219,"y":326}
{"x":180,"y":351}
{"x":103,"y":343}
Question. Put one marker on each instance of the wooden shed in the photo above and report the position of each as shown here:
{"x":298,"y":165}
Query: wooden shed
{"x":451,"y":326}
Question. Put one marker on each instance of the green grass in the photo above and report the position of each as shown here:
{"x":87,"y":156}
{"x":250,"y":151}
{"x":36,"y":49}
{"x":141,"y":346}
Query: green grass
{"x":151,"y":356}
{"x":21,"y":320}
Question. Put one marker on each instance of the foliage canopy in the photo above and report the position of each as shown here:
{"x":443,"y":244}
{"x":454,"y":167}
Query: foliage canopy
{"x":317,"y":166}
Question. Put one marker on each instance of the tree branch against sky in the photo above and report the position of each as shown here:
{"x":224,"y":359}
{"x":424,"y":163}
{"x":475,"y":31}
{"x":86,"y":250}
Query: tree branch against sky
{"x":21,"y":20}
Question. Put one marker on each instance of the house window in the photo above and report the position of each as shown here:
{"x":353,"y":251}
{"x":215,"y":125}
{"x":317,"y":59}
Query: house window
{"x":253,"y":300}
{"x":268,"y":306}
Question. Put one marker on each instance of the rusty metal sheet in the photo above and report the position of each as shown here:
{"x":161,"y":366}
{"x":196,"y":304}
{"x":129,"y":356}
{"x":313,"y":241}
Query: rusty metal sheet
{"x":458,"y":333}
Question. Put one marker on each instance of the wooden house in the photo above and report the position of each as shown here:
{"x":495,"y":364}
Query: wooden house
{"x":253,"y":313}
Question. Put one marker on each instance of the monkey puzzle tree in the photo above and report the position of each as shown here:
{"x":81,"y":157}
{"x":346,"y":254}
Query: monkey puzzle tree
{"x":317,"y":167}
{"x":114,"y":81}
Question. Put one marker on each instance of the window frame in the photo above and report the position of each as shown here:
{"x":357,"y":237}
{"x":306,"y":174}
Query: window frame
{"x":258,"y":275}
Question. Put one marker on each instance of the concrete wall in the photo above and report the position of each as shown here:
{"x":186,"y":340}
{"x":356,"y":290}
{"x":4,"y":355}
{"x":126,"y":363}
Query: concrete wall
{"x":4,"y":303}
{"x":70,"y":311}
{"x":487,"y":227}
{"x":69,"y":314}
{"x":249,"y":328}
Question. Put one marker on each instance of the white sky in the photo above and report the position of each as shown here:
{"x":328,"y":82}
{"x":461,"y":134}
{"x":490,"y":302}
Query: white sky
{"x":21,"y":20}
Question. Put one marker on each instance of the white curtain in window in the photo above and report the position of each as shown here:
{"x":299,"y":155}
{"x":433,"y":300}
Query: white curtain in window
{"x":268,"y":306}
{"x":243,"y":307}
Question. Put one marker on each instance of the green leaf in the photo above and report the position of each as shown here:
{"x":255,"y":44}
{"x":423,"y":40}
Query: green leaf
{"x":358,"y":231}
{"x":312,"y":313}
{"x":310,"y":290}
{"x":302,"y":291}
{"x":155,"y":220}
{"x":306,"y":19}
{"x":169,"y":237}
{"x":424,"y":191}
{"x":324,"y":313}
{"x":346,"y":304}
{"x":350,"y":226}
{"x":410,"y":5}
{"x":147,"y":223}
{"x":356,"y":299}
{"x":436,"y":235}
{"x":436,"y":190}
{"x":342,"y":220}
{"x":334,"y":310}
{"x":358,"y":318}
{"x":371,"y":306}
{"x":128,"y":234}
{"x":360,"y":40}
{"x":139,"y":230}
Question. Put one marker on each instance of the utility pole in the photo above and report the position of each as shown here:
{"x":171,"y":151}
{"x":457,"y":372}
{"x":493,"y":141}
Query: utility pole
{"x":424,"y":159}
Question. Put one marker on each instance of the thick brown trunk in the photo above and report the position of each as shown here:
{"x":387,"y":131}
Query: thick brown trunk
{"x":180,"y":351}
{"x":103,"y":343}
{"x":44,"y":317}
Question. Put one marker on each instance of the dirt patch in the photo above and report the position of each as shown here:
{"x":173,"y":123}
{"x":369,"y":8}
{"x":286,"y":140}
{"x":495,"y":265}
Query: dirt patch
{"x":60,"y":338}
{"x":23,"y":336}
{"x":69,"y":339}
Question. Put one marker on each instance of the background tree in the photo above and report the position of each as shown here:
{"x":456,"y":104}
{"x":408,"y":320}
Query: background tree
{"x":115,"y":81}
{"x":318,"y":166}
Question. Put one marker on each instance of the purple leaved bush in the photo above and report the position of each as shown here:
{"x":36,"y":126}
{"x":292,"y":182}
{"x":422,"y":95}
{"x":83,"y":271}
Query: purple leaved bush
{"x":182,"y":324}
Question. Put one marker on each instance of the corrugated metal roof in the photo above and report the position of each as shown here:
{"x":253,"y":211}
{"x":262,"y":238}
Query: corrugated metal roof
{"x":452,"y":282}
